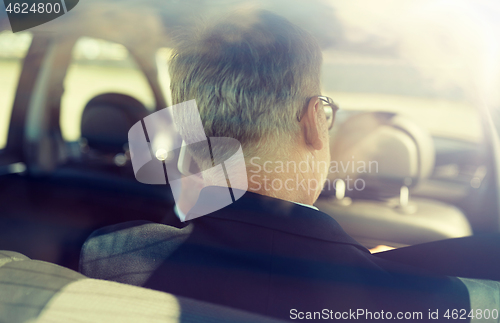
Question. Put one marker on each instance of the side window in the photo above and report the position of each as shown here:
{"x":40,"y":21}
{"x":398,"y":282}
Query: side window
{"x":13,"y":49}
{"x":99,"y":67}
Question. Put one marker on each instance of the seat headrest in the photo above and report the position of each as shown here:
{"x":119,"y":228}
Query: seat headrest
{"x":106,"y":120}
{"x":384,"y":150}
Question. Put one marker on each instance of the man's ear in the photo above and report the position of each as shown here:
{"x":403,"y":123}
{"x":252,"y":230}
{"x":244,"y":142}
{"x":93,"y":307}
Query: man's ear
{"x":311,"y":124}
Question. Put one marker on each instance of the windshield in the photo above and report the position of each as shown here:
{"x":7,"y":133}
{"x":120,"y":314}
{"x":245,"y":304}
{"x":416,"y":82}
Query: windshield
{"x":435,"y":61}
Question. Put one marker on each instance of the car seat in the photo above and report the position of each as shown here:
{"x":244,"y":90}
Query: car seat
{"x":377,"y":159}
{"x":102,"y":162}
{"x":106,"y":120}
{"x":38,"y":291}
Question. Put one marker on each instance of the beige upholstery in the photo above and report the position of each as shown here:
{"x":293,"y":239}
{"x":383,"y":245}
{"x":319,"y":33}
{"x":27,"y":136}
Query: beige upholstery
{"x":394,"y":151}
{"x":387,"y":155}
{"x":104,"y":301}
{"x":36,"y":291}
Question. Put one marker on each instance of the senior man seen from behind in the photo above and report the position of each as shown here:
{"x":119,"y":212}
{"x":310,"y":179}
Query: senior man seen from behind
{"x":256,"y":78}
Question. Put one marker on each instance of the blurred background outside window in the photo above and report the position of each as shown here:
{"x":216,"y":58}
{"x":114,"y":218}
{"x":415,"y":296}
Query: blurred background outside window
{"x":13,"y":49}
{"x":98,"y":67}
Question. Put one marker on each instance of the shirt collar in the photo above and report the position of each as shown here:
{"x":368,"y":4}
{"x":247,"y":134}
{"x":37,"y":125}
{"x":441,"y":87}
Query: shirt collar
{"x":179,"y":213}
{"x":307,"y":205}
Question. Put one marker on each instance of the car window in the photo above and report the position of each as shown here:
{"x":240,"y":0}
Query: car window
{"x":13,"y":49}
{"x":98,"y":67}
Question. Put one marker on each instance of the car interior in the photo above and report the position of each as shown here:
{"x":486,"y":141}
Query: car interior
{"x":380,"y":205}
{"x":66,"y":147}
{"x":411,"y":162}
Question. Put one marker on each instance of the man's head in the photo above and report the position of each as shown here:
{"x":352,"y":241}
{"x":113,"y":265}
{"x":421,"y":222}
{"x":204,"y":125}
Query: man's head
{"x":255,"y":78}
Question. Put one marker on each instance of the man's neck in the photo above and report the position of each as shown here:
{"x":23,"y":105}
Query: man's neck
{"x":290,"y":175}
{"x":283,"y":181}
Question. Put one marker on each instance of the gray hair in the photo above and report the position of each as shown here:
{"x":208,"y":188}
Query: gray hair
{"x":251,"y":76}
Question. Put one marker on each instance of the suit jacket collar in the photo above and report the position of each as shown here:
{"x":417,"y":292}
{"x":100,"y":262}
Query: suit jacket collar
{"x":276,"y":214}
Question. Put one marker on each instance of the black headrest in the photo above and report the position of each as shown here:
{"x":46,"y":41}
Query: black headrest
{"x":107,"y":118}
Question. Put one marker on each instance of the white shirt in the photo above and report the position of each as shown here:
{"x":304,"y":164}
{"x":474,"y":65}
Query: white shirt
{"x":307,"y":205}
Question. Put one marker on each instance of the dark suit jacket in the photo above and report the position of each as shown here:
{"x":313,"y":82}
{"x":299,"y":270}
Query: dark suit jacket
{"x":267,"y":256}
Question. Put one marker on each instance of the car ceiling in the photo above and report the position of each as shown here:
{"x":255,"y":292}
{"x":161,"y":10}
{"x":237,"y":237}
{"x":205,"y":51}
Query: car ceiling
{"x":114,"y":20}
